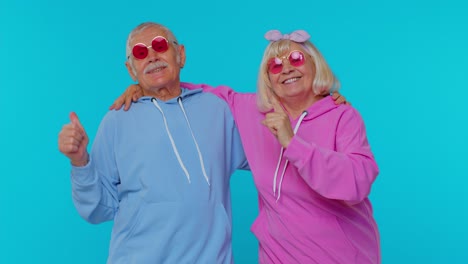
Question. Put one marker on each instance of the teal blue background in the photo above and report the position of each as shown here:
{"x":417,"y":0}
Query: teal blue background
{"x":402,"y":64}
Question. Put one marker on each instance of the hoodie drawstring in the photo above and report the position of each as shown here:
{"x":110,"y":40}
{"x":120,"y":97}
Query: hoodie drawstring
{"x":174,"y":148}
{"x":298,"y":124}
{"x":200,"y":157}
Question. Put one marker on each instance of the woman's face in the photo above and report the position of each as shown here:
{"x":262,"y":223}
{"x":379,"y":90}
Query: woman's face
{"x":293,"y":82}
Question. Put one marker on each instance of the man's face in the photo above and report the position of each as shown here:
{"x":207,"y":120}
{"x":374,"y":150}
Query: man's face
{"x":159,"y":69}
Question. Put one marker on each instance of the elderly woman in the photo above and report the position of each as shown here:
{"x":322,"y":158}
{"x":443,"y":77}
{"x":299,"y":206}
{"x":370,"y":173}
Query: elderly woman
{"x":310,"y":159}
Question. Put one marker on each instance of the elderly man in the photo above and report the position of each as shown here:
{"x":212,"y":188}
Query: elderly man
{"x":161,"y":170}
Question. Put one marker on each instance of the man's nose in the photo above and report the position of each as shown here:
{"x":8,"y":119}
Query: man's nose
{"x":153,"y":55}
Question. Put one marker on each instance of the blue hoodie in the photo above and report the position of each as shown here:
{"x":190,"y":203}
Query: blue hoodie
{"x":161,"y":172}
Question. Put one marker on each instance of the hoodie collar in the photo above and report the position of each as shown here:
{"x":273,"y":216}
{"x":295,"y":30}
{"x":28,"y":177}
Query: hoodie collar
{"x":186,"y":93}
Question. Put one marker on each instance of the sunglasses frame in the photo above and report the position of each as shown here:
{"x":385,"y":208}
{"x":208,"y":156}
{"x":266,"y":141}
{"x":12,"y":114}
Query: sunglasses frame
{"x":142,"y":45}
{"x":274,"y":61}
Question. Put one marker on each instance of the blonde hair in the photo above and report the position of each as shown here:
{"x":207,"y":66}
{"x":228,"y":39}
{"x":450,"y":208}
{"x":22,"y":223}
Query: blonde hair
{"x":324,"y":81}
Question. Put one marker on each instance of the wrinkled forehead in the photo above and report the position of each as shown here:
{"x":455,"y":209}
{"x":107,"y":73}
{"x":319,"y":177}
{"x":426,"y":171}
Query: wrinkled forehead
{"x":147,"y":35}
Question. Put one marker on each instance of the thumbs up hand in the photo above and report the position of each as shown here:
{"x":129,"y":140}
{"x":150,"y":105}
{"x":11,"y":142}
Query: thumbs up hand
{"x":278,"y":123}
{"x":73,"y":141}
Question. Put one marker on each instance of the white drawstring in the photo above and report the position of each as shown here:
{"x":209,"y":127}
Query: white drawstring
{"x":174,"y":148}
{"x":276,"y":171}
{"x":194,"y":140}
{"x":298,"y":124}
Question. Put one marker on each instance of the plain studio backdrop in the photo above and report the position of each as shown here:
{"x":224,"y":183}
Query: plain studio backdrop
{"x":402,"y":64}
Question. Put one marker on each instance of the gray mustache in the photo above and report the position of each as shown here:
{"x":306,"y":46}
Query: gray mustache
{"x":155,"y":65}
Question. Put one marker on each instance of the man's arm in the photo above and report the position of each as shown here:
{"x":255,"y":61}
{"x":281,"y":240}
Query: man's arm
{"x":94,"y":195}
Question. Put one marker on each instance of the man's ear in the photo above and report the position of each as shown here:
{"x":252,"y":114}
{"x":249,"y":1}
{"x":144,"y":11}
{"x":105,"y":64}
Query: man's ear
{"x":131,"y":71}
{"x":182,"y":55}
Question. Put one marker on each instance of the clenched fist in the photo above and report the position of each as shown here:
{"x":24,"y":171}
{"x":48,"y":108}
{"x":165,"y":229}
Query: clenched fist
{"x":73,"y":141}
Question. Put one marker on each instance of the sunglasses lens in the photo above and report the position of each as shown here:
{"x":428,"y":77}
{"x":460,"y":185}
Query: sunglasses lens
{"x":140,"y":51}
{"x":275,"y":65}
{"x":296,"y":58}
{"x":159,"y":44}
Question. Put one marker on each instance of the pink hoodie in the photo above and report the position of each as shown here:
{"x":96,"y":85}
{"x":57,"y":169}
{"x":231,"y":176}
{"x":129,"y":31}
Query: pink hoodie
{"x":313,"y":205}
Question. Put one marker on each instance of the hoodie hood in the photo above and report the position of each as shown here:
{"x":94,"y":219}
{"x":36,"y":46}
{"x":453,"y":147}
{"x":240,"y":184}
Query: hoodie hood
{"x":320,"y":108}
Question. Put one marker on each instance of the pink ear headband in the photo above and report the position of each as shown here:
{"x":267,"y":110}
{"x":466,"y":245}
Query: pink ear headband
{"x":299,"y":36}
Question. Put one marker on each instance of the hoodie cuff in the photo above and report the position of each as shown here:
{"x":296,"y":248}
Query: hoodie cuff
{"x":84,"y":175}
